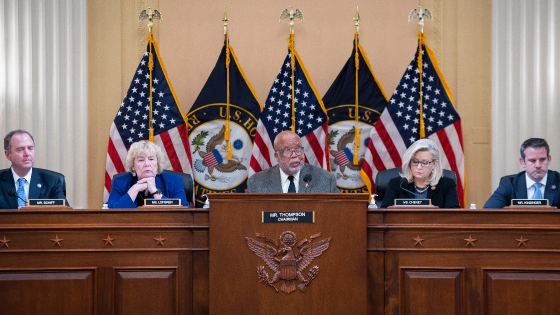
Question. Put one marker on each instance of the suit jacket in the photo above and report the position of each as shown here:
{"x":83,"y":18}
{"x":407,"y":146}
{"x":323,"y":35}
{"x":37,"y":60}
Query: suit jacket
{"x":515,"y":187}
{"x":171,"y":186}
{"x":51,"y":188}
{"x":269,"y":181}
{"x":444,"y":195}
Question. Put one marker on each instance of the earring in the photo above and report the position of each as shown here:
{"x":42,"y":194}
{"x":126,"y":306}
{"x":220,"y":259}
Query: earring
{"x":133,"y":173}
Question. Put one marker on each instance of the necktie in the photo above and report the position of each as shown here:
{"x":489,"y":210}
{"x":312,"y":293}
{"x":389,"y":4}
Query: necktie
{"x":292,"y":187}
{"x":537,"y":194}
{"x":21,"y":193}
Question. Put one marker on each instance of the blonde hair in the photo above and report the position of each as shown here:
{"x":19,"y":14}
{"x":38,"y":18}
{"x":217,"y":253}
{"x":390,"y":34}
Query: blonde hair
{"x":422,"y":145}
{"x":144,"y":146}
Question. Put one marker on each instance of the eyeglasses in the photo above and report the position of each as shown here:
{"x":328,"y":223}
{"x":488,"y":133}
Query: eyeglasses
{"x":289,"y":152}
{"x":422,"y":163}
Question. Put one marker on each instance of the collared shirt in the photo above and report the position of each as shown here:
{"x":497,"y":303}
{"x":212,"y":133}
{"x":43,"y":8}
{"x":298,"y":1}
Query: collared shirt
{"x":531,"y":188}
{"x":286,"y":182}
{"x":27,"y":181}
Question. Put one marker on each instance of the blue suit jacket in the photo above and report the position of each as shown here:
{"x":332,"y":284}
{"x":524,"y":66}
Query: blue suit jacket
{"x":51,"y":188}
{"x":515,"y":187}
{"x":171,"y":186}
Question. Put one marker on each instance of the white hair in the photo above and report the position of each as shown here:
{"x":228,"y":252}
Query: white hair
{"x":144,"y":146}
{"x":422,"y":145}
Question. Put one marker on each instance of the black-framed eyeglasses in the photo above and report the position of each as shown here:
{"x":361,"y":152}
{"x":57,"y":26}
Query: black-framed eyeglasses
{"x":289,"y":152}
{"x":422,"y":163}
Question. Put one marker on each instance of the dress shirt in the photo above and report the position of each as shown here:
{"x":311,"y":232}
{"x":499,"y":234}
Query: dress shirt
{"x":27,"y":181}
{"x":531,"y":188}
{"x":286,"y":182}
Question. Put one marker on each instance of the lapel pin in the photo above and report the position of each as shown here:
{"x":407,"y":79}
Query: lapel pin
{"x":39,"y":185}
{"x":553,"y":187}
{"x":306,"y":185}
{"x":433,"y":187}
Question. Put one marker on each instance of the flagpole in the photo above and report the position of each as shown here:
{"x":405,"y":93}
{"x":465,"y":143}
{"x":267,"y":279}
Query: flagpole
{"x":227,"y":132}
{"x":420,"y":15}
{"x":291,"y":47}
{"x":150,"y":17}
{"x":357,"y":62}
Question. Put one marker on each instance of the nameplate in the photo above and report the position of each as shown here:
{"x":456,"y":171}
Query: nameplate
{"x":529,"y":202}
{"x":45,"y":202}
{"x":413,"y":202}
{"x":162,"y":202}
{"x":289,"y":217}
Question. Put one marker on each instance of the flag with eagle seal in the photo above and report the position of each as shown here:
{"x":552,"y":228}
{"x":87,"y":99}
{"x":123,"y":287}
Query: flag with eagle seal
{"x":207,"y":123}
{"x":352,"y":103}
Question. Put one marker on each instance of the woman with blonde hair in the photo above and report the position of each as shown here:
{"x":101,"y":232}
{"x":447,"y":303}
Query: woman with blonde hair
{"x":145,"y":179}
{"x":421,"y":178}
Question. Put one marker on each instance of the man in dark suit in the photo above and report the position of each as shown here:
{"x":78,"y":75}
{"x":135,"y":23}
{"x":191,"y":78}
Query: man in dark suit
{"x":291,"y":174}
{"x":536,"y":182}
{"x":21,"y":181}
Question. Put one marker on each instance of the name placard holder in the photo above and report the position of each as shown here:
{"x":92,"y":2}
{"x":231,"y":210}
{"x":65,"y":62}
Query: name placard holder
{"x":412,"y":202}
{"x":530,"y":203}
{"x":289,"y":217}
{"x":162,"y":202}
{"x":46,"y":202}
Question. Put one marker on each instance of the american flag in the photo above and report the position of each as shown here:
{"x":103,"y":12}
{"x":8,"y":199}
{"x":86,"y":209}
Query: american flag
{"x":399,"y":124}
{"x":311,"y":118}
{"x":132,"y":121}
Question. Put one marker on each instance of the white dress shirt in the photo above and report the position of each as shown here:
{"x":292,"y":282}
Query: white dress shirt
{"x":27,"y":181}
{"x":531,"y":188}
{"x":286,"y":182}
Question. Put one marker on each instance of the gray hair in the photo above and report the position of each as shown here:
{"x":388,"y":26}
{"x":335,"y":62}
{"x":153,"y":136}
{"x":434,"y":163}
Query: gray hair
{"x":8,"y":138}
{"x":143,"y":146}
{"x":422,"y":145}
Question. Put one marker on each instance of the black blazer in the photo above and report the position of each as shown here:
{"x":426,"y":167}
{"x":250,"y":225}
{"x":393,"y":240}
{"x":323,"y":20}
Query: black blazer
{"x":444,"y":195}
{"x":515,"y":187}
{"x":51,"y":188}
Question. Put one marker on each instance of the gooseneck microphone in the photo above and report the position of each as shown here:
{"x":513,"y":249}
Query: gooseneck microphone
{"x":307,"y":179}
{"x":403,"y":180}
{"x":12,"y":192}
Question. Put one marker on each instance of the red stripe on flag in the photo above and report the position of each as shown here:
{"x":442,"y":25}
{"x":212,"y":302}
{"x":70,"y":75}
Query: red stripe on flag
{"x":388,"y":142}
{"x":376,"y":159}
{"x":317,"y":149}
{"x":255,"y":165}
{"x":448,"y":151}
{"x":263,"y":148}
{"x":459,"y":131}
{"x":171,"y":153}
{"x":108,"y":181}
{"x":114,"y":155}
{"x":185,"y":138}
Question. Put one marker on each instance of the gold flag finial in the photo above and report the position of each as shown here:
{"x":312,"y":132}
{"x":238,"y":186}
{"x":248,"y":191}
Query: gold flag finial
{"x":150,"y":16}
{"x":420,"y":15}
{"x":291,"y":16}
{"x":357,"y":20}
{"x":225,"y":20}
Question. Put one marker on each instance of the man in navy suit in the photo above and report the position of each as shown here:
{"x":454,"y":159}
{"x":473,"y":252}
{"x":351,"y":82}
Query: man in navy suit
{"x":21,"y":181}
{"x":536,"y":182}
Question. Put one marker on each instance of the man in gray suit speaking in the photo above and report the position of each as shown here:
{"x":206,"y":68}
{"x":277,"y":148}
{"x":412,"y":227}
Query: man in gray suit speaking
{"x":291,"y":174}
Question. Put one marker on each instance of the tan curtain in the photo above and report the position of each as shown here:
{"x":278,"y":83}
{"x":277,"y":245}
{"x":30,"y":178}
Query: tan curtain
{"x":43,"y":84}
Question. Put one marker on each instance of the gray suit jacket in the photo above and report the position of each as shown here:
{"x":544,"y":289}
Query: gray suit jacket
{"x":268,"y":181}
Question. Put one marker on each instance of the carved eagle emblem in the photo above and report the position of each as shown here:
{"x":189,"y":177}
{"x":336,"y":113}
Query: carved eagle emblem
{"x":287,"y":262}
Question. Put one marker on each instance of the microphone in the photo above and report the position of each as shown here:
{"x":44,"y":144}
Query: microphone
{"x":403,"y":180}
{"x":307,"y":179}
{"x":12,"y":192}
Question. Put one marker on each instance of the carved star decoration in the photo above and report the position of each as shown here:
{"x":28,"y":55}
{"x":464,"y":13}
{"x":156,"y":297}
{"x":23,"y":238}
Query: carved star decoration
{"x":470,"y":241}
{"x":520,"y":240}
{"x":108,"y":240}
{"x":4,"y":242}
{"x":418,"y":240}
{"x":160,"y":240}
{"x":56,"y":241}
